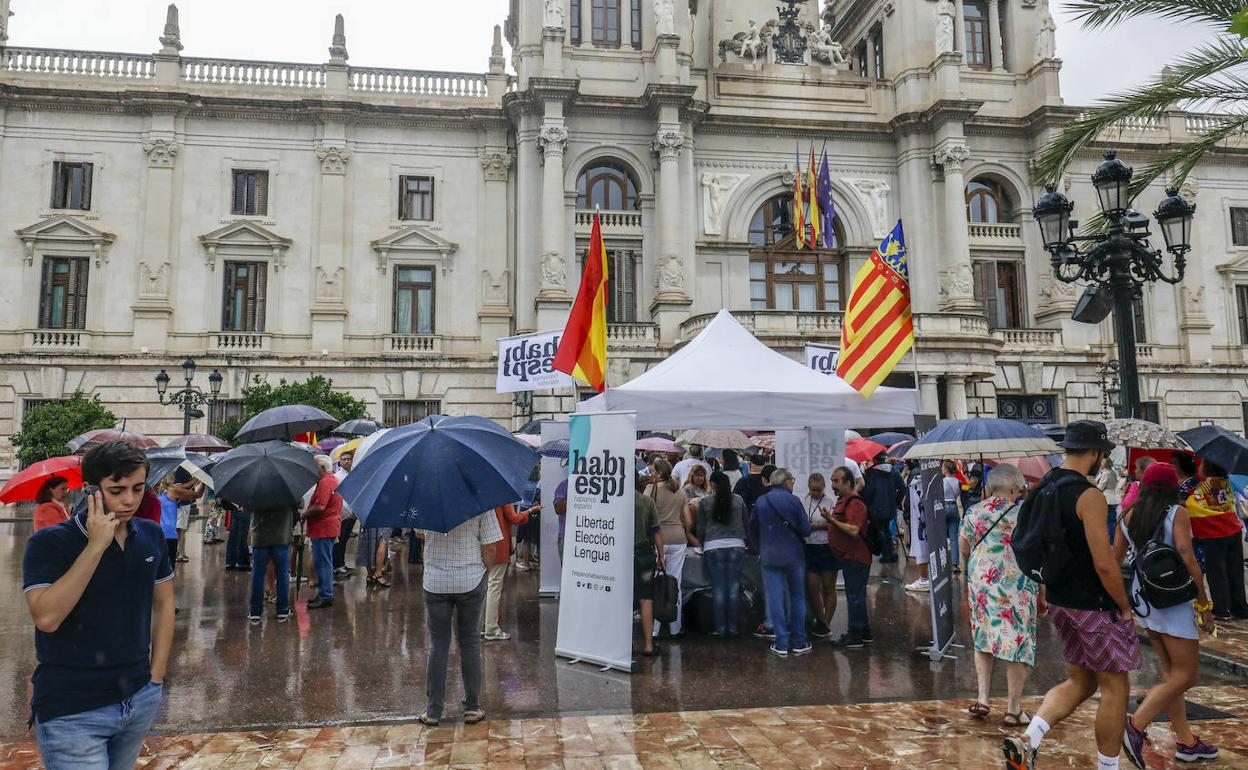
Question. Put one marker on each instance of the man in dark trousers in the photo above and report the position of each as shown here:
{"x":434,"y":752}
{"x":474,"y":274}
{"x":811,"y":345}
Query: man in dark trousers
{"x":847,"y":528}
{"x":778,"y":528}
{"x":883,"y":490}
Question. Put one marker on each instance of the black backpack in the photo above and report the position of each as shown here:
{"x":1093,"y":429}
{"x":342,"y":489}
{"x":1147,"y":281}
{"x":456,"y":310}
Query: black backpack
{"x":1039,"y":538}
{"x":1164,"y":579}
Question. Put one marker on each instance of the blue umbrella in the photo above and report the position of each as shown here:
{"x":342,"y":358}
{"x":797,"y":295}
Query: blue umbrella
{"x":284,"y":423}
{"x":986,"y":437}
{"x":438,"y":473}
{"x":888,"y":438}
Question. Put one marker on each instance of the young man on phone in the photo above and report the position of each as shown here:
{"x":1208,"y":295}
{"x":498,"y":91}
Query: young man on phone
{"x":99,"y":589}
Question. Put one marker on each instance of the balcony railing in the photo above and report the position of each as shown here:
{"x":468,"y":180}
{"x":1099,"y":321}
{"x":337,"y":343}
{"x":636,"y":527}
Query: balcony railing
{"x":632,"y":334}
{"x":413,"y":82}
{"x":54,"y":338}
{"x":241,"y":342}
{"x":94,"y":64}
{"x":1023,"y":340}
{"x":996,"y":232}
{"x":772,"y":323}
{"x":237,"y":72}
{"x":617,"y":220}
{"x":413,"y":344}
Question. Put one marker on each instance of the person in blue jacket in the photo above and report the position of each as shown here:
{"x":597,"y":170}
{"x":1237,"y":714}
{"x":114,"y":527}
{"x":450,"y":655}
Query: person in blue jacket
{"x":778,"y":529}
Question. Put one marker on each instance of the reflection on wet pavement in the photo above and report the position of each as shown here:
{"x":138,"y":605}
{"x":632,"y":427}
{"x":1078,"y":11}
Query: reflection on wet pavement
{"x":362,"y":661}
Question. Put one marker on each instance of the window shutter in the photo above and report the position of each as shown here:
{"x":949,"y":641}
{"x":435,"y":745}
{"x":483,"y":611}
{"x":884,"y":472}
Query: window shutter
{"x":403,"y":213}
{"x":45,"y":294}
{"x":227,"y":290}
{"x":1241,"y":296}
{"x":260,"y":273}
{"x":76,"y":294}
{"x":430,"y":201}
{"x":240,"y":198}
{"x":58,"y":189}
{"x":262,"y":193}
{"x":250,"y":297}
{"x":628,"y":277}
{"x":86,"y":186}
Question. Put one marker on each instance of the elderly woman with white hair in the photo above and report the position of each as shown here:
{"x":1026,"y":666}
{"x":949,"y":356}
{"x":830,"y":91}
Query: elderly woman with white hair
{"x":1002,"y":603}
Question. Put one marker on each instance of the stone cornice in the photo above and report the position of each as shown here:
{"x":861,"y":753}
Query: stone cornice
{"x":659,"y":95}
{"x":752,"y":125}
{"x":546,"y":89}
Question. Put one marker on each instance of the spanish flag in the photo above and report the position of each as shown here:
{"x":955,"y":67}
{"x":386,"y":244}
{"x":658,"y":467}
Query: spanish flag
{"x":878,"y":328}
{"x":813,"y":216}
{"x":582,"y":349}
{"x":799,"y":204}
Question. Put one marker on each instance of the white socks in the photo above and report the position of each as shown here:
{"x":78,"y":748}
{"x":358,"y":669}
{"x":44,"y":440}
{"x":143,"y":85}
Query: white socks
{"x":1106,"y":763}
{"x":1036,"y":730}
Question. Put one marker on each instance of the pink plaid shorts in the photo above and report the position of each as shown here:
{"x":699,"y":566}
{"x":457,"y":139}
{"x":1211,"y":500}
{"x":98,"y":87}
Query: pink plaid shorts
{"x":1093,"y":640}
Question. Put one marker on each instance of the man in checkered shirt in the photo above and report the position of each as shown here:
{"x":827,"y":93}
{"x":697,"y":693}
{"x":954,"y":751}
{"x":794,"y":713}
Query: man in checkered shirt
{"x":455,"y":584}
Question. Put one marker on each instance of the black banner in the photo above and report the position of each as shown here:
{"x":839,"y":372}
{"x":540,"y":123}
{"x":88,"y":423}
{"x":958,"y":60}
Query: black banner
{"x":939,"y":568}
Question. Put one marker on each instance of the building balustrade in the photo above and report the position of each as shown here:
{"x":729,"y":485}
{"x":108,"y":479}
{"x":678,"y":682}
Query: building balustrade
{"x":995,"y":233}
{"x":246,"y":342}
{"x":611,"y":220}
{"x":417,"y":82}
{"x":265,"y":74}
{"x":413,"y":343}
{"x":1025,"y":340}
{"x":632,"y":333}
{"x":95,"y":64}
{"x":59,"y":339}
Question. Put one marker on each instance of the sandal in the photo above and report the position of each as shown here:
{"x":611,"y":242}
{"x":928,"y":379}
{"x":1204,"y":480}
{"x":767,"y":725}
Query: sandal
{"x":1016,"y":719}
{"x":427,"y":720}
{"x":473,"y":716}
{"x":381,"y":582}
{"x":979,"y":710}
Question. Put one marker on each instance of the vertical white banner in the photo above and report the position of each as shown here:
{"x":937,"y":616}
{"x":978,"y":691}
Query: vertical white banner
{"x":822,"y":358}
{"x":810,"y":450}
{"x":554,"y":475}
{"x":596,"y":598}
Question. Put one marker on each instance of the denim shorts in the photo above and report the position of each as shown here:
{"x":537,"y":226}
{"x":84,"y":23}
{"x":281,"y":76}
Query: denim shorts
{"x":81,"y":741}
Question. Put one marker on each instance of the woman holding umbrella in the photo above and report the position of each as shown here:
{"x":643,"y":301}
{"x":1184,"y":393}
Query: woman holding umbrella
{"x":51,"y":502}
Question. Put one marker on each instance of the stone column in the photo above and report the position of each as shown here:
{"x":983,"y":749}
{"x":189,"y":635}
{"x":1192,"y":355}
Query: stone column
{"x":329,"y":309}
{"x":994,"y":36}
{"x":552,"y":298}
{"x":153,"y":311}
{"x":959,"y":34}
{"x":671,"y":301}
{"x":929,"y":396}
{"x":495,"y":301}
{"x":587,"y":22}
{"x":870,"y":69}
{"x":957,"y":283}
{"x":955,"y":397}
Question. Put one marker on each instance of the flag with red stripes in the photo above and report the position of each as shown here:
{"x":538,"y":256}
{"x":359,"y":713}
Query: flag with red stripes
{"x":878,"y":327}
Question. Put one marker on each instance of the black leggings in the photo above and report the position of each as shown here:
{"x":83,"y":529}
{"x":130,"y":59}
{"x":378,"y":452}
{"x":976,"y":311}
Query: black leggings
{"x":340,"y":545}
{"x":1224,"y":569}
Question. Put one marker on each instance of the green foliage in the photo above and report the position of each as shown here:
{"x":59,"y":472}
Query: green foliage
{"x":46,"y":428}
{"x":1212,"y":78}
{"x":317,"y":391}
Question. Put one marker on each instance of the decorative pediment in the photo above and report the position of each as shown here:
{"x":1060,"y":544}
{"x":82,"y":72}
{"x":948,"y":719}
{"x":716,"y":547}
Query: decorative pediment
{"x":244,"y":238}
{"x":66,"y":233}
{"x":1235,"y":271}
{"x":414,"y":242}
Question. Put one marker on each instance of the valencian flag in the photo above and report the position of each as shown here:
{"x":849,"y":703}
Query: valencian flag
{"x":827,"y":208}
{"x":582,"y":349}
{"x":799,"y":205}
{"x":813,"y":218}
{"x":878,"y":329}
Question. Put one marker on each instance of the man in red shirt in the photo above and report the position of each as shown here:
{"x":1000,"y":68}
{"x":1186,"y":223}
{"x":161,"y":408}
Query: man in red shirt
{"x":847,"y":529}
{"x":324,"y":522}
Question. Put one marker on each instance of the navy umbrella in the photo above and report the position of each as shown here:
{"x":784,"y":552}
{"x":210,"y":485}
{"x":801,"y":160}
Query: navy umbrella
{"x":161,"y":461}
{"x":438,"y":473}
{"x":889,"y":438}
{"x":358,"y":428}
{"x":270,"y":474}
{"x":1219,"y":446}
{"x":988,"y":437}
{"x":284,"y":423}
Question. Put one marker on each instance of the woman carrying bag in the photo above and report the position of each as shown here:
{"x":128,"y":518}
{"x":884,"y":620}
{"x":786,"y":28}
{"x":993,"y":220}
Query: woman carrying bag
{"x":674,"y":527}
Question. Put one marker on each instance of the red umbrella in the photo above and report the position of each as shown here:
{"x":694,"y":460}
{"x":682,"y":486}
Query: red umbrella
{"x":25,"y":485}
{"x":200,"y":442}
{"x":862,"y":450}
{"x":92,"y":438}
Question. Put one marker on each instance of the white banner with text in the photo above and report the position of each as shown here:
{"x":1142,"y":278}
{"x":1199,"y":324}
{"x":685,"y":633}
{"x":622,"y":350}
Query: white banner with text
{"x":527,"y":362}
{"x":822,"y":358}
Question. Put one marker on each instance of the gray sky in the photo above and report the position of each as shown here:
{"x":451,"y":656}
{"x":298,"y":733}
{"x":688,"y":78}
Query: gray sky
{"x":428,"y":34}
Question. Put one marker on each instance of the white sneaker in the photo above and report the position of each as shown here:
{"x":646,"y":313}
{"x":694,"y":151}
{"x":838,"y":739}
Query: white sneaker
{"x":920,"y":586}
{"x":498,"y":636}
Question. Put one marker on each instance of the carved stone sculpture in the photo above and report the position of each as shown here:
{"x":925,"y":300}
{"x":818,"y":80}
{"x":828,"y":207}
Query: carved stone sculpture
{"x":161,"y":153}
{"x":874,"y":193}
{"x":338,"y":44}
{"x":958,"y":282}
{"x":717,"y":189}
{"x":665,"y":17}
{"x":552,"y":18}
{"x":670,"y":277}
{"x":329,"y":284}
{"x":333,"y":159}
{"x":750,"y":44}
{"x":1046,"y":40}
{"x":552,"y":139}
{"x":154,"y":283}
{"x":496,"y":165}
{"x":494,"y":291}
{"x":953,"y":155}
{"x":668,"y":144}
{"x":945,"y":14}
{"x":824,"y":49}
{"x":554,"y":272}
{"x":171,"y":40}
{"x":1193,"y":301}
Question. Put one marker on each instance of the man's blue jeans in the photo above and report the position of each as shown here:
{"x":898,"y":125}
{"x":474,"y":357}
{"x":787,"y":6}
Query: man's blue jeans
{"x":260,"y":558}
{"x":856,"y":575}
{"x":236,"y":543}
{"x":953,"y":525}
{"x":323,"y":563}
{"x":786,"y":603}
{"x":108,"y":738}
{"x":724,"y":566}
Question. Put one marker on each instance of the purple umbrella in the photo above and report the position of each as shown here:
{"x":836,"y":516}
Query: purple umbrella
{"x":329,"y":444}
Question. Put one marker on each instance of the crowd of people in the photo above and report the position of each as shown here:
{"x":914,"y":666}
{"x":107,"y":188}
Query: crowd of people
{"x":107,"y":567}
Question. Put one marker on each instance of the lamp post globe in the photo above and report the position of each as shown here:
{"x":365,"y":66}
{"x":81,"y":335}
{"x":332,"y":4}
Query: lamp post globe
{"x":162,"y":383}
{"x":214,"y":383}
{"x":1112,"y":180}
{"x":1052,"y":213}
{"x":1174,"y":216}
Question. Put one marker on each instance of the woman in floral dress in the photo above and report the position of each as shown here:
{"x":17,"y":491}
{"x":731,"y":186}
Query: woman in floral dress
{"x":1001,"y":602}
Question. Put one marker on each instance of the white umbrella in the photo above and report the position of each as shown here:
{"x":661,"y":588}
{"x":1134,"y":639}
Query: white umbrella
{"x":721,"y":438}
{"x":366,"y":445}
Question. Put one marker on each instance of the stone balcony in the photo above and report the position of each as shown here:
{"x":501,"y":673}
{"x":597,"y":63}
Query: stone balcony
{"x":56,"y":340}
{"x":241,"y":342}
{"x":613,"y":222}
{"x":1029,"y":340}
{"x":995,"y":236}
{"x":632,"y":336}
{"x":774,"y":324}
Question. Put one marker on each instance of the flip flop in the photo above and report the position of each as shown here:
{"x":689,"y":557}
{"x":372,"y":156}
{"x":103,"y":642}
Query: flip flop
{"x":1016,"y":719}
{"x":979,"y":710}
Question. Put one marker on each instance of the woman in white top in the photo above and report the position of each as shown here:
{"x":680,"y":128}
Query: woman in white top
{"x":1107,"y":482}
{"x":820,"y":563}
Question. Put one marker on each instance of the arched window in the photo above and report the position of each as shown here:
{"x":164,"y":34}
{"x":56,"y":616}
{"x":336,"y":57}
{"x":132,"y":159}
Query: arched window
{"x":783,"y":277}
{"x":607,"y":184}
{"x":988,"y":203}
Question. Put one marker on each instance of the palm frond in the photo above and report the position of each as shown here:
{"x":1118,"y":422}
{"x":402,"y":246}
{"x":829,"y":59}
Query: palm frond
{"x":1095,"y":14}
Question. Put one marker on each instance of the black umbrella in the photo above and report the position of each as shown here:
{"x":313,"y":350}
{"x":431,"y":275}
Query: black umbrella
{"x":533,"y":427}
{"x":1220,"y":446}
{"x":271,"y":474}
{"x":358,"y":428}
{"x":161,"y":461}
{"x":284,"y":423}
{"x":656,"y":434}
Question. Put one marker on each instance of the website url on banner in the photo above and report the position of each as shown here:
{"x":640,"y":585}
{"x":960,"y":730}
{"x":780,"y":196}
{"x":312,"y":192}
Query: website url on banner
{"x":592,"y":575}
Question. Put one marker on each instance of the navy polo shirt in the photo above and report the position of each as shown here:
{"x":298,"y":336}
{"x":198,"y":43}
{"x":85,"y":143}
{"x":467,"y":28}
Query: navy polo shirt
{"x":101,"y":654}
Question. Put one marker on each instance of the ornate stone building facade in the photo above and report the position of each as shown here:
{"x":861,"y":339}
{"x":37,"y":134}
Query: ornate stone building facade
{"x":385,"y":227}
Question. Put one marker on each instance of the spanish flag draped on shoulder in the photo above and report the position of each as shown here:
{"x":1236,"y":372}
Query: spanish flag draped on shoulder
{"x":582,"y":349}
{"x":878,"y":329}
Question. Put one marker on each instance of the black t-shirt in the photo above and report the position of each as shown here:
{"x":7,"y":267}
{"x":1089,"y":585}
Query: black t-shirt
{"x":1080,"y":588}
{"x":750,"y":488}
{"x":101,"y":653}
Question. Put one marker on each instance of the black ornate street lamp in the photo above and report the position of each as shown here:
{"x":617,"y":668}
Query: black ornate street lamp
{"x":189,"y":397}
{"x":1118,"y":261}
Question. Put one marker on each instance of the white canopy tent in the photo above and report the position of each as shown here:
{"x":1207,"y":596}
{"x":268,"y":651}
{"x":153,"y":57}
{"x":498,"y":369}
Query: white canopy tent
{"x":726,"y":378}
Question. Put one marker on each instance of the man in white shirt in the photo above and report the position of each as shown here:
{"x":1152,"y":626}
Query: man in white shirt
{"x":820,"y":563}
{"x":680,"y":471}
{"x":918,"y":533}
{"x":455,"y":584}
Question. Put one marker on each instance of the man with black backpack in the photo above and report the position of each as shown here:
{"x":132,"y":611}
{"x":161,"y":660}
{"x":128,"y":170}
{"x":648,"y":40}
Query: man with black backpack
{"x":1062,"y":541}
{"x":849,"y":527}
{"x":882,"y":491}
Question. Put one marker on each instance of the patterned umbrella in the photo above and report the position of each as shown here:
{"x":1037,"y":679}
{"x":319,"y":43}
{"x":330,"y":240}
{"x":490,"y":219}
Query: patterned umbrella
{"x":986,"y":437}
{"x":200,"y":442}
{"x":721,"y":439}
{"x":1141,"y":434}
{"x":656,"y":444}
{"x":93,"y":438}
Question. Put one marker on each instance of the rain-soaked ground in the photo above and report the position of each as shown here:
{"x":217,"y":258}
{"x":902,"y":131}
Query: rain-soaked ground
{"x":363,"y":660}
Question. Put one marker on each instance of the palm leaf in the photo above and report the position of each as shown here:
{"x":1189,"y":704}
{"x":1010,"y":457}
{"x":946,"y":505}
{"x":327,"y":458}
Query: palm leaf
{"x":1105,"y":13}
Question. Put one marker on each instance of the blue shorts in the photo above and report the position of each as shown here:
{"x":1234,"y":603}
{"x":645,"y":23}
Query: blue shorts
{"x":819,"y":558}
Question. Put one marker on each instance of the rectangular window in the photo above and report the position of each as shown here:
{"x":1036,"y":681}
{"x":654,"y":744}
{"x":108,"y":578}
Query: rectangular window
{"x":413,"y":300}
{"x":1150,"y":411}
{"x":860,"y":59}
{"x":396,"y":413}
{"x":71,"y":185}
{"x":221,"y":410}
{"x":790,"y":281}
{"x":1239,"y":226}
{"x":251,"y":193}
{"x":605,"y":18}
{"x":976,"y":35}
{"x":1241,"y":303}
{"x":635,"y":30}
{"x":242,"y":306}
{"x":877,"y":37}
{"x":1141,"y":329}
{"x":621,"y":282}
{"x":416,"y":197}
{"x":574,"y":27}
{"x":63,"y":295}
{"x":998,"y":286}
